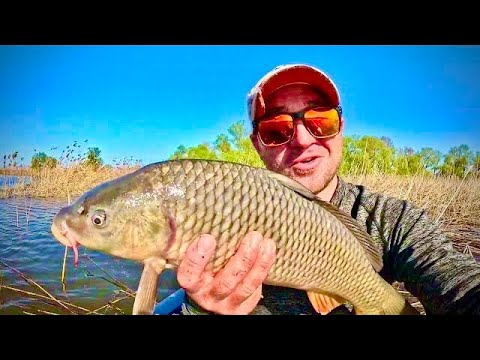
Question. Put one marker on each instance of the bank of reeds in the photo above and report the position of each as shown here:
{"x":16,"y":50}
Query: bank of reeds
{"x":452,"y":201}
{"x":62,"y":182}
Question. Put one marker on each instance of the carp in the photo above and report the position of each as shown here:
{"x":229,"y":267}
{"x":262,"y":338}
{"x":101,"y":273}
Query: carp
{"x":153,"y":214}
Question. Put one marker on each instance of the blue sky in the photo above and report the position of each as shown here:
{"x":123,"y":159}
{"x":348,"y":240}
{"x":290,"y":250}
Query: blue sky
{"x":144,"y":101}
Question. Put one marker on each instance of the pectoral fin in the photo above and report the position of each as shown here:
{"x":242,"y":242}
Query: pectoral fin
{"x":146,"y":296}
{"x":323,"y":303}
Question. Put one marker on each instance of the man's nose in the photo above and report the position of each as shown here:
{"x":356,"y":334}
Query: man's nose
{"x":302,"y":136}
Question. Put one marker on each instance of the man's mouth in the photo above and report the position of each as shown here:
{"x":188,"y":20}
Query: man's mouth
{"x":307,"y":160}
{"x":306,"y":163}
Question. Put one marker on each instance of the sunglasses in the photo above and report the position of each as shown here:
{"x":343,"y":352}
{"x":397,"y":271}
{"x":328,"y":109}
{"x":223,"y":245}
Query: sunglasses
{"x":321,"y":122}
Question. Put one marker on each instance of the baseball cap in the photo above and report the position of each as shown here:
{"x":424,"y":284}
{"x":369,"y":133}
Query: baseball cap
{"x":290,"y":74}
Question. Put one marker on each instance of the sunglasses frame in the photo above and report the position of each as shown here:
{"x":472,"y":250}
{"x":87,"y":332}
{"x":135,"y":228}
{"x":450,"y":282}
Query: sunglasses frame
{"x":300,"y":115}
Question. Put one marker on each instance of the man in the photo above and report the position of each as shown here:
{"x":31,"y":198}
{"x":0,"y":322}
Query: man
{"x":283,"y":107}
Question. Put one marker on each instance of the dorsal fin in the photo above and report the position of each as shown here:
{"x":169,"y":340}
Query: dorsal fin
{"x":373,"y":254}
{"x":292,"y":184}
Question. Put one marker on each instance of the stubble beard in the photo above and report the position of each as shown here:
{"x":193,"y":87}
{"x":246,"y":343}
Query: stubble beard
{"x":317,"y":180}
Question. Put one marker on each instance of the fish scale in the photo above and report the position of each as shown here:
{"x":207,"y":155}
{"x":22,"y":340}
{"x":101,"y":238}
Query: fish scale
{"x":319,"y":249}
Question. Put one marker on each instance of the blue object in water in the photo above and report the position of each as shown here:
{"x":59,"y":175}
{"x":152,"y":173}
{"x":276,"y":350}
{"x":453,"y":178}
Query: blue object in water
{"x":170,"y":304}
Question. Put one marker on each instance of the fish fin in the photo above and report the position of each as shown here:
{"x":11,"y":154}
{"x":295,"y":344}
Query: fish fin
{"x":146,"y":296}
{"x":323,"y":303}
{"x":373,"y":253}
{"x":408,"y":309}
{"x":292,"y":184}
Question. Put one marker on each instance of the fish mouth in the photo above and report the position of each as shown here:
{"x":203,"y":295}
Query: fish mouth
{"x":65,"y":237}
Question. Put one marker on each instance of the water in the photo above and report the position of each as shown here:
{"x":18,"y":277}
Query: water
{"x":27,"y":245}
{"x":11,"y":180}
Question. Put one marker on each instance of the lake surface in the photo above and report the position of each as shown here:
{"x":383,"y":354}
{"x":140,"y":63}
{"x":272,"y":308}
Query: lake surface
{"x":26,"y":244}
{"x":11,"y":180}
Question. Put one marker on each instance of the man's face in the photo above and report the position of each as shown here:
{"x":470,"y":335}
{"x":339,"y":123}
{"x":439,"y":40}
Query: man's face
{"x":313,"y":162}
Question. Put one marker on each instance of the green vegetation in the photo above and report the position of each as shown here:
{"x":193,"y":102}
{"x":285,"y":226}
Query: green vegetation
{"x":234,"y":146}
{"x":41,"y":160}
{"x":362,"y":155}
{"x":93,"y":157}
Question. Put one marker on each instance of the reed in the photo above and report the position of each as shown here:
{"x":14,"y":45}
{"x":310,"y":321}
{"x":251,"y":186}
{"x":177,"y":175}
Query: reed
{"x":63,"y":174}
{"x":62,"y":306}
{"x":62,"y":182}
{"x":451,"y":201}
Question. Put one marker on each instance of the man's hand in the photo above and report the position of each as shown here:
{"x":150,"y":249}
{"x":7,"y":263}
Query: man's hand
{"x":237,"y":288}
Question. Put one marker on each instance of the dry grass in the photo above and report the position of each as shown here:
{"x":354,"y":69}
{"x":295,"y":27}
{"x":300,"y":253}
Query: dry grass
{"x":59,"y":306}
{"x":63,"y":182}
{"x":66,"y":173}
{"x":452,"y":201}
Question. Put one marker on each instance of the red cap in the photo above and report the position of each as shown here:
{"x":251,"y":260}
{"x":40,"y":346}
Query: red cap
{"x":285,"y":75}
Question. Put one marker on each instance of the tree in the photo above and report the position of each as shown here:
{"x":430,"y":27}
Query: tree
{"x":222,"y":143}
{"x":235,"y":146}
{"x":387,"y":141}
{"x":179,"y":153}
{"x":476,"y":164}
{"x":93,"y":157}
{"x":457,"y":161}
{"x":430,"y":159}
{"x":407,"y":162}
{"x":361,"y":155}
{"x":202,"y":151}
{"x":366,"y":155}
{"x":40,"y":160}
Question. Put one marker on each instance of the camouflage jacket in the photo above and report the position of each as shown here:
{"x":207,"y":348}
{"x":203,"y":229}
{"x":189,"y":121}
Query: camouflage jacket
{"x":415,"y":253}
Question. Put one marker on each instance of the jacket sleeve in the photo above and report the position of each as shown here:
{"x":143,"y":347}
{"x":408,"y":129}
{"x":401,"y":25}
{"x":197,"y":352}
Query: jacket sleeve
{"x":421,"y":256}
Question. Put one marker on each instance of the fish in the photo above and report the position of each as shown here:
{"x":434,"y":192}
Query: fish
{"x":153,"y":214}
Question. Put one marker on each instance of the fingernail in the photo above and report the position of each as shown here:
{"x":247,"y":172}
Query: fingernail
{"x":254,"y":241}
{"x":268,"y":248}
{"x":204,"y":244}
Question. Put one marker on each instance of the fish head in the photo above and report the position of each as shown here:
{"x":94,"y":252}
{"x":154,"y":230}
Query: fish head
{"x":126,"y":217}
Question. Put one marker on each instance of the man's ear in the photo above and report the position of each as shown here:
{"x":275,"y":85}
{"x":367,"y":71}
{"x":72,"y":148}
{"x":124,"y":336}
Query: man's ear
{"x":254,"y":140}
{"x":342,"y":124}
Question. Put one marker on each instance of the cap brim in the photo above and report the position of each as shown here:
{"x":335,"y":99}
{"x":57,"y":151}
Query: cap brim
{"x":292,"y":74}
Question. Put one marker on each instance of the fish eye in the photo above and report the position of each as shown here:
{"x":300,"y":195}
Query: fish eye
{"x":99,"y":218}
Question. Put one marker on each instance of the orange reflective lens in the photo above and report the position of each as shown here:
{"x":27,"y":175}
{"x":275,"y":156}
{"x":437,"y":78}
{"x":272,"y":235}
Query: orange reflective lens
{"x":279,"y":129}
